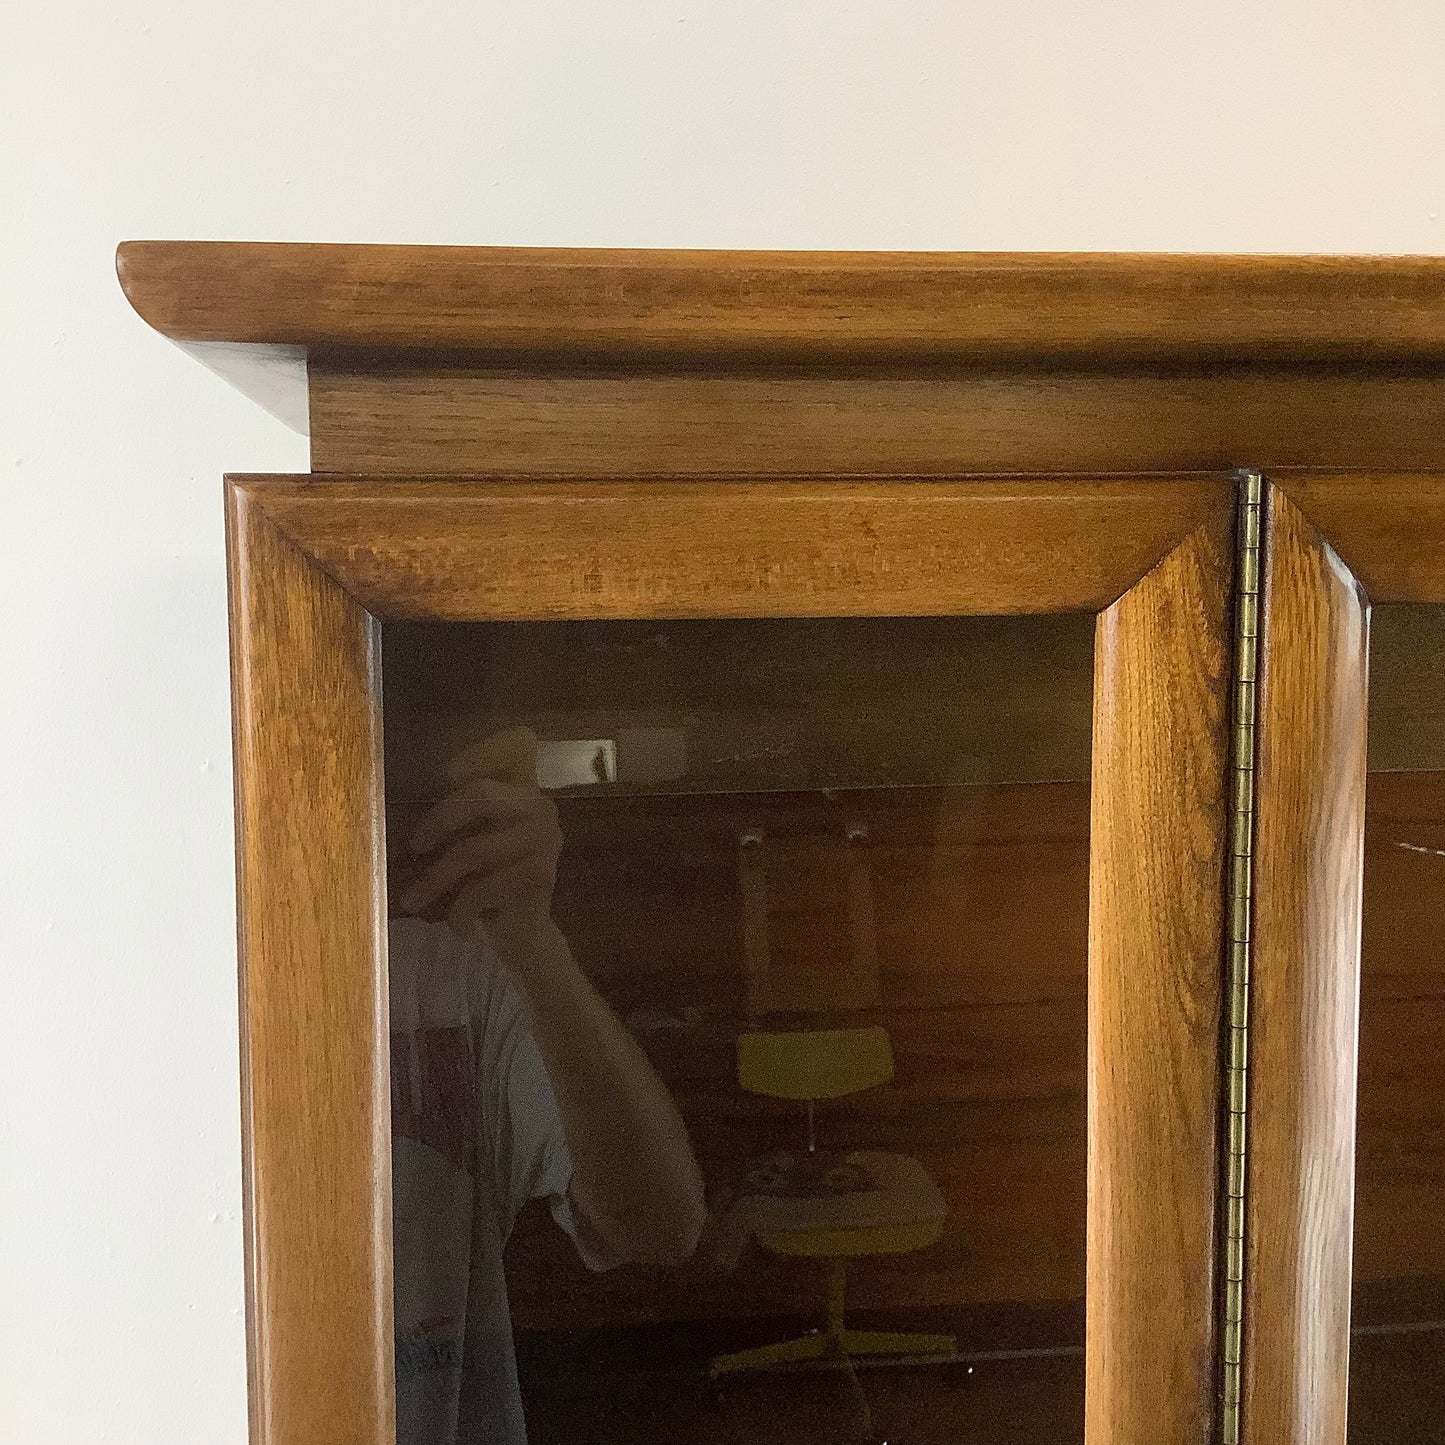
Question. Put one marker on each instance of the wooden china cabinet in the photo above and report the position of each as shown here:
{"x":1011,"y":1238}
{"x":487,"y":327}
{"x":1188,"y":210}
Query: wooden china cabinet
{"x":806,"y":548}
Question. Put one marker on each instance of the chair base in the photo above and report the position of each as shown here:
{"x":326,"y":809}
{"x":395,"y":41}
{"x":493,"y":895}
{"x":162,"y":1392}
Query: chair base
{"x":832,"y":1345}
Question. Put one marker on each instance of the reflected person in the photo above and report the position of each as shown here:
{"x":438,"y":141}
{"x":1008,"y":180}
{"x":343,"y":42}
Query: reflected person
{"x":511,"y":1080}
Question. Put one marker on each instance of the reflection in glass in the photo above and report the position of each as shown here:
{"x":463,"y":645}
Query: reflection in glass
{"x":1397,"y":1369}
{"x":737,"y":980}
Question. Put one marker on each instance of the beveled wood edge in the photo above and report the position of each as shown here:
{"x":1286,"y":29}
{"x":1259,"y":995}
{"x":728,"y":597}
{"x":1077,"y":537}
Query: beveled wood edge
{"x":1388,"y":527}
{"x":964,"y":304}
{"x":1303,"y":1014}
{"x":313,"y":1013}
{"x":1157,"y":925}
{"x":447,"y":549}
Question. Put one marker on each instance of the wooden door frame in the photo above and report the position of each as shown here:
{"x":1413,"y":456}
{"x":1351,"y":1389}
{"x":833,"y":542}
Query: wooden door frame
{"x":317,"y":564}
{"x":1334,"y":544}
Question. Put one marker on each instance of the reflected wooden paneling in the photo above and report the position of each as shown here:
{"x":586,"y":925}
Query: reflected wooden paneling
{"x":1400,"y":1189}
{"x":983,"y":995}
{"x":1397,"y":1379}
{"x":755,"y":704}
{"x":980,"y":891}
{"x":1400,"y":1168}
{"x":648,"y":889}
{"x":1407,"y":689}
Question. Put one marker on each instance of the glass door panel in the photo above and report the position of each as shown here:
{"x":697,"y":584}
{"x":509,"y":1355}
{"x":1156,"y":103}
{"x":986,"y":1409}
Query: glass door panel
{"x":1397,"y":1372}
{"x":739,"y":975}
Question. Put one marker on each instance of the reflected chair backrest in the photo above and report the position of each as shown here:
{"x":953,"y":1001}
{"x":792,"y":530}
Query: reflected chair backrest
{"x":814,"y":1063}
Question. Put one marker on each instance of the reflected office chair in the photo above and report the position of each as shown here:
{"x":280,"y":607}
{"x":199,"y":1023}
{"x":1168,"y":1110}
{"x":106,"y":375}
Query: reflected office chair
{"x":815,"y":1206}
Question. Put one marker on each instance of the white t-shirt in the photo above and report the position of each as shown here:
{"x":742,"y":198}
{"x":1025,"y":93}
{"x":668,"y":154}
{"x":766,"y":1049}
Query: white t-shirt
{"x":475,"y":1134}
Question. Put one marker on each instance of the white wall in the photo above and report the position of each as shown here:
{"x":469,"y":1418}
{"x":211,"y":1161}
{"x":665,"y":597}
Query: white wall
{"x":1301,"y":125}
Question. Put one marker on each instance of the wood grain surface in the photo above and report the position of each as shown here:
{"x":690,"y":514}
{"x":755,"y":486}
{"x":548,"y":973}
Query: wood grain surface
{"x":415,"y":416}
{"x":1156,"y":930}
{"x":976,"y":305}
{"x":470,"y":550}
{"x":1309,"y":845}
{"x":1388,"y":527}
{"x":316,"y":1100}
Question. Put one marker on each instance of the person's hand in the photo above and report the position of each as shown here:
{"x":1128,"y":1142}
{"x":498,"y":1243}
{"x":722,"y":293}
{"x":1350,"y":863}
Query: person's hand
{"x":490,"y":847}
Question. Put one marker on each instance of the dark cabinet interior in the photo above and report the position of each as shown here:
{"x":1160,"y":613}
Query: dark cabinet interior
{"x":942,"y":765}
{"x":1398,"y":1346}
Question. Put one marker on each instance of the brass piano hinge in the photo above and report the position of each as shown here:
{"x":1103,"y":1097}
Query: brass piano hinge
{"x":1239,"y":910}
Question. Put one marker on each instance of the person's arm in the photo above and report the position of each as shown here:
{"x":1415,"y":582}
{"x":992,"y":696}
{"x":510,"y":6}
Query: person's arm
{"x":494,"y":844}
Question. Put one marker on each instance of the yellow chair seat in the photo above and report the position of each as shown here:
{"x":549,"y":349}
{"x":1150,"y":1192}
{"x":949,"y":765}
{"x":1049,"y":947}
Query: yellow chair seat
{"x":903,"y":1211}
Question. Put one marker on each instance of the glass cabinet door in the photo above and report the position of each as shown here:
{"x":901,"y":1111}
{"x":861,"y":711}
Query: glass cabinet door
{"x":821,"y":907}
{"x":738,"y":961}
{"x":1345,"y":1280}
